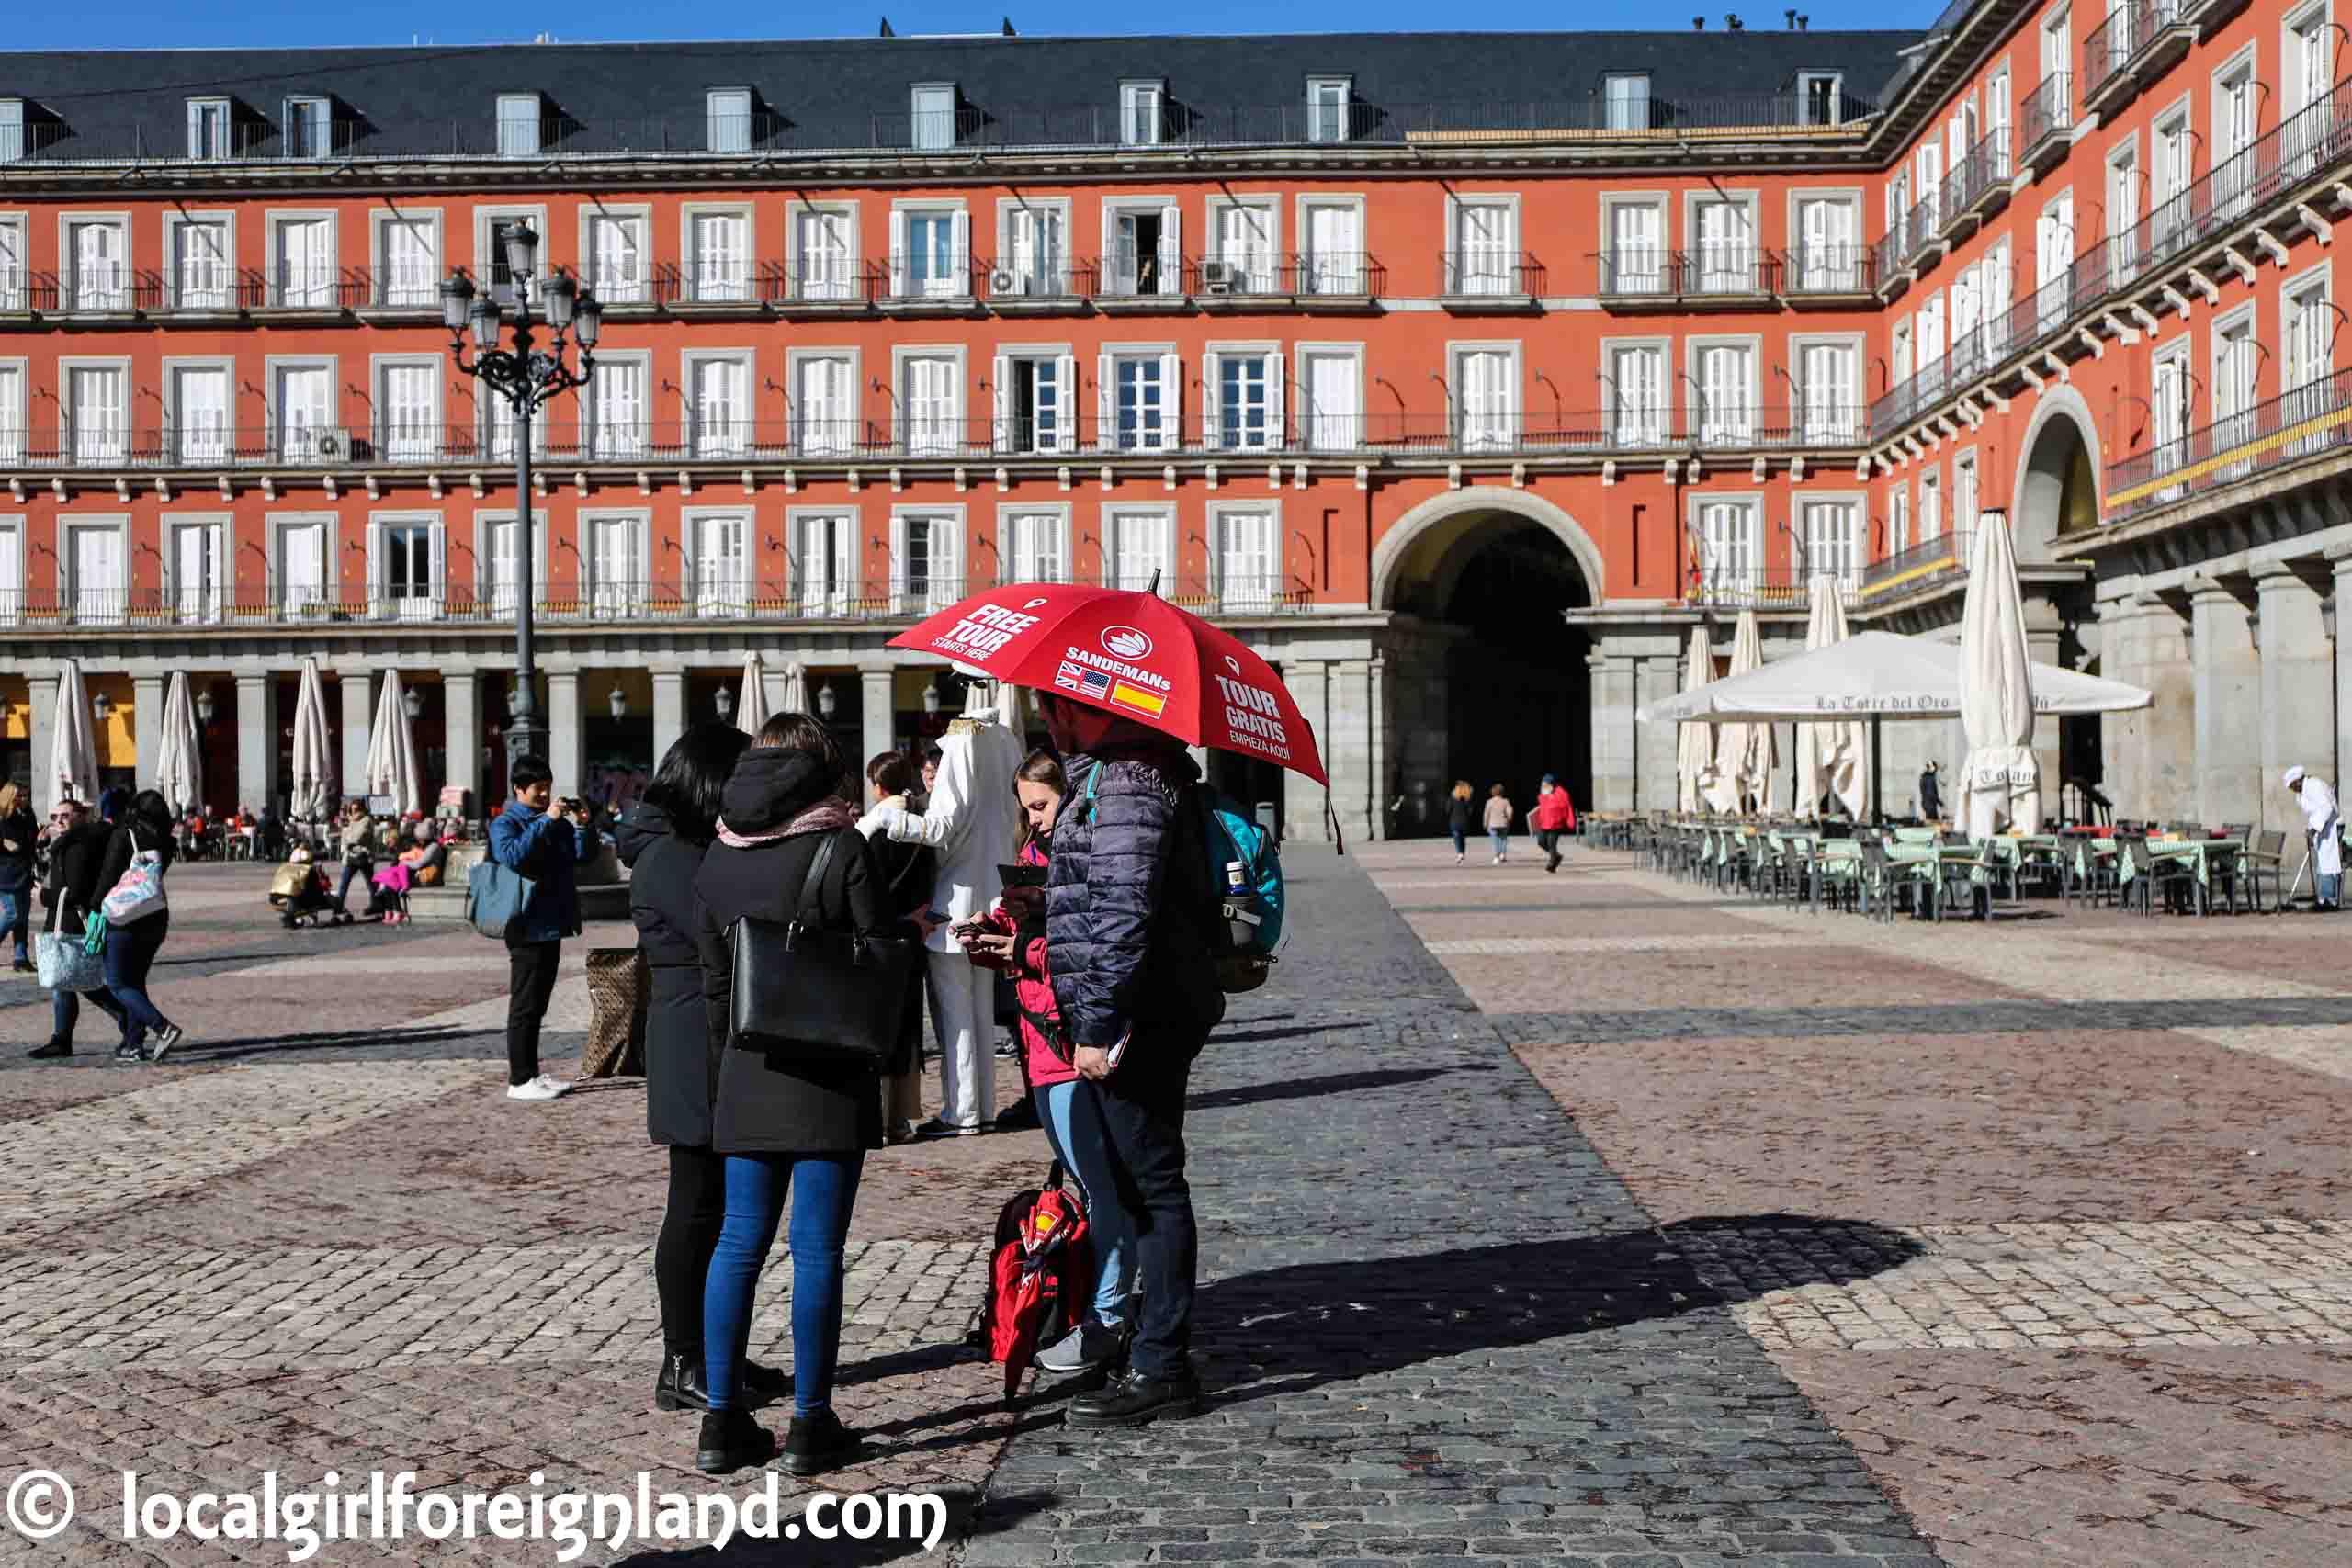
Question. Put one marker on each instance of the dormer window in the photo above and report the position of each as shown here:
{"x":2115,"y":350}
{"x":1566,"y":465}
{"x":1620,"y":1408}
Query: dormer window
{"x":1143,"y":113}
{"x":12,"y":130}
{"x":1327,"y":107}
{"x":1820,"y":98}
{"x":519,"y":116}
{"x":1625,"y":94}
{"x":729,"y":110}
{"x":208,"y":128}
{"x":935,"y":116}
{"x":306,"y":128}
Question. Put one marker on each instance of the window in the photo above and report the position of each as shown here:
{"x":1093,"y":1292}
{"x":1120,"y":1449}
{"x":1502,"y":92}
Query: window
{"x":2235,"y":103}
{"x":2053,"y":253}
{"x":1331,"y":383}
{"x":1821,"y":97}
{"x":719,"y":389}
{"x":824,"y":405}
{"x":200,"y":404}
{"x":930,"y":252}
{"x":1727,"y":248}
{"x":1035,"y":395}
{"x":2235,"y":355}
{"x":1327,"y":108}
{"x":935,"y":116}
{"x":1828,"y":247}
{"x":499,"y":560}
{"x":1927,"y":169}
{"x":518,"y":125}
{"x":12,"y":411}
{"x":1331,"y":236}
{"x":1726,"y":393}
{"x":1898,"y":520}
{"x":491,"y":247}
{"x":304,"y":401}
{"x":195,"y":556}
{"x":824,"y":563}
{"x":1996,"y":122}
{"x":825,"y":253}
{"x":1992,"y":301}
{"x":1931,"y":506}
{"x":98,"y":404}
{"x":614,"y":560}
{"x":1964,"y":492}
{"x":1901,"y":344}
{"x":1486,"y":248}
{"x":930,"y":398}
{"x":100,"y":568}
{"x":12,"y":569}
{"x":1833,"y":540}
{"x":97,"y":255}
{"x":12,"y":266}
{"x":2169,"y":151}
{"x":1032,"y":250}
{"x":1731,"y":544}
{"x":301,"y":564}
{"x":1034,"y":545}
{"x":408,"y":412}
{"x":12,"y":131}
{"x":1625,"y":98}
{"x":1146,"y":250}
{"x":718,"y":561}
{"x":2311,"y":324}
{"x":1486,"y":399}
{"x":728,"y":110}
{"x":1140,"y":393}
{"x":614,"y":262}
{"x":618,"y":401}
{"x":1242,"y":395}
{"x":404,"y":569}
{"x":1138,"y":546}
{"x":2122,"y":214}
{"x":1637,"y":260}
{"x":1930,"y":330}
{"x":200,"y":263}
{"x":2168,"y":401}
{"x":925,"y":576}
{"x":306,"y":127}
{"x":411,"y":249}
{"x":208,"y":128}
{"x":2309,"y":65}
{"x":1142,"y":113}
{"x":1828,"y":386}
{"x":303,"y":267}
{"x":2056,"y":30}
{"x":1637,"y":394}
{"x":721,"y":256}
{"x":1249,"y":558}
{"x":1243,"y":259}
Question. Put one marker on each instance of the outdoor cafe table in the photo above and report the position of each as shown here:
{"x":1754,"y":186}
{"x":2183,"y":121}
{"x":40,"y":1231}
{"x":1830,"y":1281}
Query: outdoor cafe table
{"x":1914,"y":854}
{"x":2202,"y":857}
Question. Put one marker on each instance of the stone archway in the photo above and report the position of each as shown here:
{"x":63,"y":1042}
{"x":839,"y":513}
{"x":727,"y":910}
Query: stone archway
{"x":2056,"y":491}
{"x":1431,"y":531}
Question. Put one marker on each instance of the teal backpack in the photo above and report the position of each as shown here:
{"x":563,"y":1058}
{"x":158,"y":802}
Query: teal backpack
{"x":1242,"y":866}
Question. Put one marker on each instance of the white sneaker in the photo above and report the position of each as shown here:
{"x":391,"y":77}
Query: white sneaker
{"x":540,"y":1087}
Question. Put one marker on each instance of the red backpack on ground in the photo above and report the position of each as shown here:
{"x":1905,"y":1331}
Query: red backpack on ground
{"x":1042,"y":1274}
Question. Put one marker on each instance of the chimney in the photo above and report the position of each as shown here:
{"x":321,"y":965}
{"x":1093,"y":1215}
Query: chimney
{"x":1805,"y":24}
{"x":1731,"y":22}
{"x":1791,"y":15}
{"x":1698,"y":24}
{"x":885,"y":29}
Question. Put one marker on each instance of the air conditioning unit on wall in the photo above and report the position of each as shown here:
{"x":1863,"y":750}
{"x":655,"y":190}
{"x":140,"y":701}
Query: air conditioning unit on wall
{"x":1218,"y":277}
{"x":1004,"y":283}
{"x":332,"y":445}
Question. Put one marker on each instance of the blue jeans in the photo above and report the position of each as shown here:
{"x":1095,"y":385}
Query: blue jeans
{"x":357,"y":868}
{"x":1461,"y":841}
{"x":66,"y":1011}
{"x":16,"y":915}
{"x":1501,"y":839}
{"x":823,"y":1189}
{"x":130,"y":952}
{"x":1073,"y":1121}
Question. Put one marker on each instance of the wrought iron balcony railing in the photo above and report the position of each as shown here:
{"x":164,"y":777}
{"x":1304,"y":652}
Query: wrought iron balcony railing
{"x":1490,"y":274}
{"x":1765,"y":588}
{"x":2116,"y":44}
{"x":1717,"y":272}
{"x":1938,"y":556}
{"x":2310,"y":421}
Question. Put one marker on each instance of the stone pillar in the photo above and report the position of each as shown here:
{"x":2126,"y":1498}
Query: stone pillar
{"x":461,"y":731}
{"x":2043,"y":632}
{"x":668,"y":709}
{"x":2227,"y":672}
{"x":257,"y":740}
{"x":1613,"y":763}
{"x":2298,"y":689}
{"x":563,"y":731}
{"x":147,"y":729}
{"x":358,"y":709}
{"x":1384,"y":789}
{"x":2341,"y":559}
{"x":2123,"y":737}
{"x":1347,"y":747}
{"x":1311,"y":687}
{"x":2169,"y":772}
{"x":42,"y":691}
{"x":1656,"y":747}
{"x":876,"y":706}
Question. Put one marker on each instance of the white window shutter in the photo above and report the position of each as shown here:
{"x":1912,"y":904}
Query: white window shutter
{"x":1106,"y":403}
{"x":1171,"y":250}
{"x":440,"y":564}
{"x":376,"y":568}
{"x":1211,"y":398}
{"x":1275,"y":402}
{"x":898,"y":562}
{"x":960,"y":233}
{"x":1171,"y":394}
{"x":1001,"y":401}
{"x":897,"y":251}
{"x":1065,"y":403}
{"x":1007,"y":236}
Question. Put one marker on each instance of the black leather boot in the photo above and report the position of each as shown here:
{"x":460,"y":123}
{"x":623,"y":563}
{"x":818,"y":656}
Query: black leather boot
{"x":732,"y":1440}
{"x":817,"y":1443}
{"x":1132,"y":1399}
{"x":680,"y":1385}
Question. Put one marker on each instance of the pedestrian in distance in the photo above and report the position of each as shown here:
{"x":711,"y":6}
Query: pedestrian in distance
{"x":1458,"y":807}
{"x":791,"y":1126}
{"x":908,"y":872}
{"x":536,"y":836}
{"x":1931,"y":792}
{"x":1554,"y":817}
{"x":134,"y":939}
{"x":69,"y":891}
{"x":1128,"y":941}
{"x":2326,"y":827}
{"x":1500,"y":813}
{"x":19,"y":837}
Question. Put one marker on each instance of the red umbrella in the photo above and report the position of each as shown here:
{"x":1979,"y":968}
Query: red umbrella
{"x":1134,"y":655}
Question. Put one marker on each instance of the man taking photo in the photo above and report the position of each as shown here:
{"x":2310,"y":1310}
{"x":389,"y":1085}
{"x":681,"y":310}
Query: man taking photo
{"x":544,"y":846}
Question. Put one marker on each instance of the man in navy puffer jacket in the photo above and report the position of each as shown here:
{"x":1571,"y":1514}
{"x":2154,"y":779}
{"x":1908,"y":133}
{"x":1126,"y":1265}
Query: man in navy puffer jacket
{"x":1128,"y":944}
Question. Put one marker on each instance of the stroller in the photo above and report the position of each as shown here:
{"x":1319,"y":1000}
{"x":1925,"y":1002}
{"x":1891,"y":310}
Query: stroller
{"x":300,"y":896}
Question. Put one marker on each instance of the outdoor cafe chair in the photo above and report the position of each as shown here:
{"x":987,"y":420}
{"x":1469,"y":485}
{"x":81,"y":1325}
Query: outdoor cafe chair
{"x":1878,"y":880}
{"x":2265,"y":855}
{"x":1800,"y":862}
{"x":2150,"y":876}
{"x":2042,"y":866}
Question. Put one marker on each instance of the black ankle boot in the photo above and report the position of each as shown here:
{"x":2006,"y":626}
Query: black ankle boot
{"x":732,"y":1440}
{"x":680,"y":1385}
{"x":817,"y":1443}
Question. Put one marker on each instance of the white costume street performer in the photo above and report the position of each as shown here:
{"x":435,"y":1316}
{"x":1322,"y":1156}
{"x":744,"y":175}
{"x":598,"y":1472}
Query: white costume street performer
{"x":2320,"y":820}
{"x":972,"y":823}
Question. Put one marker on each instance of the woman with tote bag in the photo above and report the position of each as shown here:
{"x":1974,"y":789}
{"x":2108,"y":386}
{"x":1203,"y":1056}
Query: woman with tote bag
{"x":791,"y":1122}
{"x":131,"y":883}
{"x":77,"y":844}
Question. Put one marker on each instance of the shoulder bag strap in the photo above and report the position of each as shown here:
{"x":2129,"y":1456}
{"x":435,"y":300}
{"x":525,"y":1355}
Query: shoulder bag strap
{"x":811,"y":915}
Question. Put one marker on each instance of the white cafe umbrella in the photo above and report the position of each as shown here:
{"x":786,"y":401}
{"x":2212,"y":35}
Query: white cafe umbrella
{"x":2002,"y":777}
{"x":313,"y":782}
{"x":179,"y":769}
{"x":795,"y":689}
{"x":391,"y":752}
{"x":74,"y":751}
{"x":1747,"y":757}
{"x":1694,"y":753}
{"x":752,"y":702}
{"x":1830,"y":757}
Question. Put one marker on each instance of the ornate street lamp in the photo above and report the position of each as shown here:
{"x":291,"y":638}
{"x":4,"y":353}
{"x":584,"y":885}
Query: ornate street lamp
{"x":828,"y":701}
{"x":414,"y":701}
{"x":618,"y":701}
{"x":525,"y":377}
{"x":101,"y":706}
{"x":204,"y":708}
{"x":725,"y":703}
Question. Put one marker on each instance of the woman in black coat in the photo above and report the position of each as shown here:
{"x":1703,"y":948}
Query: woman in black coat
{"x":145,"y":824}
{"x":662,"y":842}
{"x":77,"y":845}
{"x":789,"y":1127}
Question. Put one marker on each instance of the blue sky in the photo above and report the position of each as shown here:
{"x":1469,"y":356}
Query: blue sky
{"x":173,"y":24}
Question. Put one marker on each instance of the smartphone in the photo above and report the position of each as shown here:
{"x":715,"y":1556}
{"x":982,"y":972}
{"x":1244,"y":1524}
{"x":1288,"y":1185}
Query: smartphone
{"x":935,"y":916}
{"x":1021,"y":875}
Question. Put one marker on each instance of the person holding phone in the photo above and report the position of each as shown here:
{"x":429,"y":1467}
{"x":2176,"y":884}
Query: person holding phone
{"x":547,"y":846}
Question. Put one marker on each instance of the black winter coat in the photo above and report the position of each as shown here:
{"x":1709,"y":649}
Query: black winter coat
{"x":681,"y":1054}
{"x":73,"y":859}
{"x":17,"y":865}
{"x":766,"y":1103}
{"x":1126,"y":901}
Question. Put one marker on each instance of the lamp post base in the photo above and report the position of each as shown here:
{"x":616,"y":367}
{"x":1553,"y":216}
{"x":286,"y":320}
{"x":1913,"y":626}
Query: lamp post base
{"x":525,"y":737}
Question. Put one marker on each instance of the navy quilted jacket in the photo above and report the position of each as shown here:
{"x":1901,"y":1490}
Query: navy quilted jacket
{"x":1126,"y":901}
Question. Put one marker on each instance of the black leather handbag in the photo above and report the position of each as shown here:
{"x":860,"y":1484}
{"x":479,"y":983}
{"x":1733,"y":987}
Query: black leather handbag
{"x":806,"y":994}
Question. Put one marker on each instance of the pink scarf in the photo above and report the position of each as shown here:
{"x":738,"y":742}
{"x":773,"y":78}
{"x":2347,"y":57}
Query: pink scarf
{"x":829,"y":814}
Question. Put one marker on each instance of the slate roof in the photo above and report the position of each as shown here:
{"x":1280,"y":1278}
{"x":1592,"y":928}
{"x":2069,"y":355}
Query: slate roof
{"x":832,"y":91}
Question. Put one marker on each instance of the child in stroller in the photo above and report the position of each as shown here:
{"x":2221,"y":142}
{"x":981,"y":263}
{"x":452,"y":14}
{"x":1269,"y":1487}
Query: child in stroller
{"x":299,"y":894}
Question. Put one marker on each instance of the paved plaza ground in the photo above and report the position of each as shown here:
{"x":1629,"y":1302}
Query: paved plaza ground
{"x":1587,"y":1219}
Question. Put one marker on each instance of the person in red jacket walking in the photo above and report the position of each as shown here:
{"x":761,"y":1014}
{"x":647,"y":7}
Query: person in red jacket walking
{"x":1554,"y":813}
